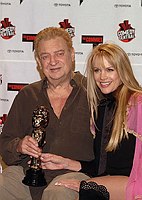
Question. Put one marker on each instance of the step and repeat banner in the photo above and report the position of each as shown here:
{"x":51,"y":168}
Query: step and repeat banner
{"x":89,"y":22}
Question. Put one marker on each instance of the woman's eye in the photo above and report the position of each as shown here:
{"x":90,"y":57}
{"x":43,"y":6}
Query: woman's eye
{"x":110,"y":69}
{"x":96,"y":70}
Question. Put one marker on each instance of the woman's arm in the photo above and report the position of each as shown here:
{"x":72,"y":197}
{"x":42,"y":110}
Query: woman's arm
{"x":116,"y":185}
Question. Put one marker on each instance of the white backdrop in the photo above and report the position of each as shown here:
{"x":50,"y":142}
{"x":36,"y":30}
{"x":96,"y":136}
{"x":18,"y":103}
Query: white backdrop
{"x":88,"y":22}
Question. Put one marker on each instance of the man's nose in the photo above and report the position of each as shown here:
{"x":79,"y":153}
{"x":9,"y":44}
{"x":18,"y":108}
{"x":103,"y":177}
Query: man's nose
{"x":53,"y":60}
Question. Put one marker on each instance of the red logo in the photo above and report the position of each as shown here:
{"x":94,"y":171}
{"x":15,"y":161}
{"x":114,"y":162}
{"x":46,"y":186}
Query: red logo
{"x":67,"y":26}
{"x":28,"y":38}
{"x":126,"y":33}
{"x":92,"y":39}
{"x":16,"y":86}
{"x":3,"y":118}
{"x":7,"y":30}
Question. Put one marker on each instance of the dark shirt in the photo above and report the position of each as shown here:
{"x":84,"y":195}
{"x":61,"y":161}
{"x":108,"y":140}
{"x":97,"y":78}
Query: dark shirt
{"x":118,"y":162}
{"x":68,"y":136}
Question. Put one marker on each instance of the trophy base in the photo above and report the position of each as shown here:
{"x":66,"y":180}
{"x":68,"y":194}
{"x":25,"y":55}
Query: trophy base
{"x":35,"y":178}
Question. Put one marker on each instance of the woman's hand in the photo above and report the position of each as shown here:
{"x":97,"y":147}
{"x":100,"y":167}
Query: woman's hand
{"x":73,"y":184}
{"x":55,"y":162}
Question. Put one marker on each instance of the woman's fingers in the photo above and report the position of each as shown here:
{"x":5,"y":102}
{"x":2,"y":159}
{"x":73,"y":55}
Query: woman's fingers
{"x":73,"y":184}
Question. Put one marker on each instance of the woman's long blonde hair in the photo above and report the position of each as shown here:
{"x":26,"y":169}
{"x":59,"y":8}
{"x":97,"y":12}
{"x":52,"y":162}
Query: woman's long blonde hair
{"x":118,"y":58}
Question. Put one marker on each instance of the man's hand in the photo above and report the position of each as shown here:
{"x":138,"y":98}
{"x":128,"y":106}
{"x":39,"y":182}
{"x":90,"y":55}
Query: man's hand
{"x":55,"y":162}
{"x":29,"y":146}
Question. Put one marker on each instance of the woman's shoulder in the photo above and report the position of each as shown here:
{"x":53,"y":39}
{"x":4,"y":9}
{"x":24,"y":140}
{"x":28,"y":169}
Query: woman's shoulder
{"x":134,"y":115}
{"x":135,"y":98}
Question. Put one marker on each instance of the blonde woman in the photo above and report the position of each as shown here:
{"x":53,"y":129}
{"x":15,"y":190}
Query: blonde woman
{"x":115,"y":100}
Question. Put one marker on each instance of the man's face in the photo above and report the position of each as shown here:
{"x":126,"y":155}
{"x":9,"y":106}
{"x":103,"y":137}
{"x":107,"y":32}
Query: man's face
{"x":56,"y":59}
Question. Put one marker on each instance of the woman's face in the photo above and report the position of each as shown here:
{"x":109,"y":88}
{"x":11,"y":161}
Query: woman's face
{"x":106,"y":77}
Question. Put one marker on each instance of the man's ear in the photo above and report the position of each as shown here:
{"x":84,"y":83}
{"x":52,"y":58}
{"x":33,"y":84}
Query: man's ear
{"x":38,"y":62}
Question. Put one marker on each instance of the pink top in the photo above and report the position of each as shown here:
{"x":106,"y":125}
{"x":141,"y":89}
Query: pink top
{"x":134,"y":126}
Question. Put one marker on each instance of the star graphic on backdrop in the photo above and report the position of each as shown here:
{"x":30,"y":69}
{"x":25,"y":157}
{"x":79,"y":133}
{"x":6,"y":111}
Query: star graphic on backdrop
{"x":81,"y":2}
{"x":21,"y":1}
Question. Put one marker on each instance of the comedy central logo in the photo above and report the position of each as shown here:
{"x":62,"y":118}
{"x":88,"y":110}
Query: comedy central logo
{"x":126,"y":33}
{"x":67,"y":26}
{"x":2,"y":120}
{"x":7,"y":30}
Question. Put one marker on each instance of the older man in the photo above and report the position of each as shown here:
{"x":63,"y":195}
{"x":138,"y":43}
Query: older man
{"x":68,"y":138}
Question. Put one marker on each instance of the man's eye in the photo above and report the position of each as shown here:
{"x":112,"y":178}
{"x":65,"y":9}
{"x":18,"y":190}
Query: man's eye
{"x":60,"y":54}
{"x":44,"y":57}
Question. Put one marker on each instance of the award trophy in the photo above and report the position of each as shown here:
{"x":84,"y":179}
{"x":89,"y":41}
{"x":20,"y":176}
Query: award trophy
{"x":35,"y":175}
